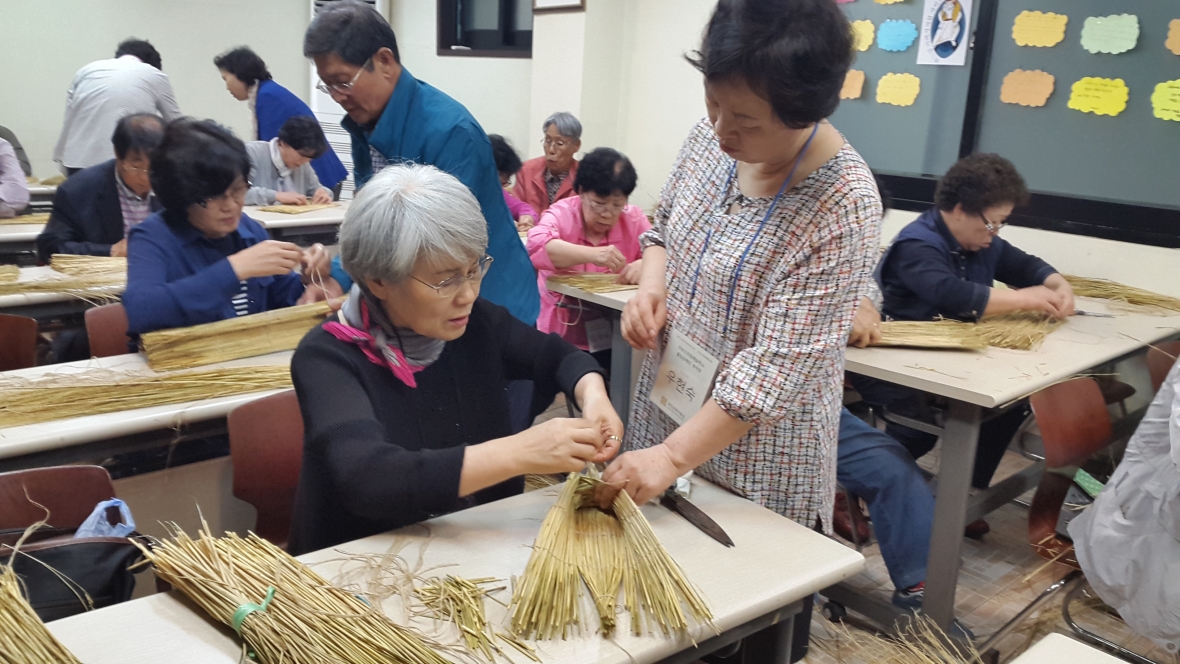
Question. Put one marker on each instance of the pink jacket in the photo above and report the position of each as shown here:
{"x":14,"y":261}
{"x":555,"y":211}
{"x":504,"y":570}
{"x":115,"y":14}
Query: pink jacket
{"x":518,"y":208}
{"x":563,"y":221}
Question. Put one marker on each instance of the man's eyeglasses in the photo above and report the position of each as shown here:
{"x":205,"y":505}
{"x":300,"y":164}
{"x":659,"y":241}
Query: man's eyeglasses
{"x":343,"y":88}
{"x":991,"y":226}
{"x":554,"y":143}
{"x":450,"y":286}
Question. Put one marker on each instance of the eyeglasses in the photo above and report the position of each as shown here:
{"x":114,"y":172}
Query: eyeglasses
{"x":554,"y":143}
{"x":450,"y":286}
{"x":605,"y":208}
{"x":343,"y":88}
{"x":236,"y":194}
{"x":991,"y":226}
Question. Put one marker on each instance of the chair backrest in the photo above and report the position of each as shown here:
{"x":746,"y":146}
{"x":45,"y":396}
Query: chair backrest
{"x":1160,"y":359}
{"x":1073,"y":420}
{"x":68,"y":492}
{"x":18,"y":342}
{"x":266,"y":445}
{"x":106,"y":326}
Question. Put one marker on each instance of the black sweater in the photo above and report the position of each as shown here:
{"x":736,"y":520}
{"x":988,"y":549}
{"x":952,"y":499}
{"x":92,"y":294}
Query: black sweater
{"x":379,"y":455}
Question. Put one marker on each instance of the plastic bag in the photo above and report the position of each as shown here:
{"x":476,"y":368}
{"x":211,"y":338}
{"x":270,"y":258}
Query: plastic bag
{"x":97,"y":524}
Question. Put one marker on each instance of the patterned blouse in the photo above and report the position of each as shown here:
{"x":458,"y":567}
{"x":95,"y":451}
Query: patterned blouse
{"x":791,"y":313}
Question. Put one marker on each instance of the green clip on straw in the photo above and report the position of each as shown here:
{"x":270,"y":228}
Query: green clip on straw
{"x":245,"y":610}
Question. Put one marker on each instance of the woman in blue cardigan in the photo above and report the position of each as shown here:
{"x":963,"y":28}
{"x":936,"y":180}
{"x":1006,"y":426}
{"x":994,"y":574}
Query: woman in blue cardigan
{"x":201,"y":259}
{"x":248,"y":80}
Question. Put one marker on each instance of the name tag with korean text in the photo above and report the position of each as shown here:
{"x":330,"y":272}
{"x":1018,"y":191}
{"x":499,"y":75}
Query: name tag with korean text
{"x":685,"y":378}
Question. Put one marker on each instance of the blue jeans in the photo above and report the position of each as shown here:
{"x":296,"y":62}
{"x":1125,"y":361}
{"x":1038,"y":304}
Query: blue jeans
{"x":877,"y":468}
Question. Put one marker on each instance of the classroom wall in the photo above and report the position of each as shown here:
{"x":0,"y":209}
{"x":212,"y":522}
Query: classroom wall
{"x":45,"y":44}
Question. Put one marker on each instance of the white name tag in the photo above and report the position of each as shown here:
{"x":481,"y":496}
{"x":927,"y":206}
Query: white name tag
{"x":598,"y":334}
{"x":685,"y":378}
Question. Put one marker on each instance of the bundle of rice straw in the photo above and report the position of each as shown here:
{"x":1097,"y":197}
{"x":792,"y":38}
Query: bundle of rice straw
{"x":951,"y":334}
{"x":295,"y":209}
{"x":89,"y":266}
{"x":62,"y":395}
{"x":9,"y":273}
{"x":460,"y":601}
{"x":592,"y":282}
{"x":1017,"y":331}
{"x":1129,"y":295}
{"x":283,"y":610}
{"x":233,"y":338}
{"x":39,"y":218}
{"x":23,"y":637}
{"x":53,"y":180}
{"x":919,"y":640}
{"x":607,"y":550}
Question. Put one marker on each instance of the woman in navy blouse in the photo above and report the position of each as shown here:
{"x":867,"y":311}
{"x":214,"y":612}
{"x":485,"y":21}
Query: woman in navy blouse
{"x":201,"y":259}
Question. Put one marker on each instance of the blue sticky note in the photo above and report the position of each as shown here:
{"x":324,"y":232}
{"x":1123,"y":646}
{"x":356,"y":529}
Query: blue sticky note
{"x":896,"y":35}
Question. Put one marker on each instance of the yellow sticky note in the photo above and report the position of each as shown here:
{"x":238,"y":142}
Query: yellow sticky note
{"x":1173,"y":43}
{"x":898,"y":89}
{"x":854,"y":84}
{"x":1100,"y":96}
{"x":1039,"y":29}
{"x":887,"y":2}
{"x":1027,"y":88}
{"x":864,"y":32}
{"x":1110,"y":34}
{"x":1165,"y":101}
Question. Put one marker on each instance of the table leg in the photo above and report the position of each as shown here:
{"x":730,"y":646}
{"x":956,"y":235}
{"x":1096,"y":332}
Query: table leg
{"x":959,"y":441}
{"x":620,"y":369}
{"x":767,"y":639}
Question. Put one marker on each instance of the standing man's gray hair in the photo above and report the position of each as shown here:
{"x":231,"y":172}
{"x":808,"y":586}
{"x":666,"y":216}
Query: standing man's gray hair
{"x":409,"y":212}
{"x":567,"y":125}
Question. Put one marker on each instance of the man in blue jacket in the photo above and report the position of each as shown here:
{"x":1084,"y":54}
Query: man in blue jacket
{"x":394,"y":117}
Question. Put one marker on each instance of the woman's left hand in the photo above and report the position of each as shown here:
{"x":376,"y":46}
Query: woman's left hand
{"x":525,"y":222}
{"x":317,"y":264}
{"x":597,"y":408}
{"x":322,"y":197}
{"x":644,"y":474}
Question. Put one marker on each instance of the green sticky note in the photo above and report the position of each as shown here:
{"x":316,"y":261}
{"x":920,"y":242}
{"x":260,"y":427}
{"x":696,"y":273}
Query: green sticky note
{"x":1110,"y":34}
{"x":1090,"y":485}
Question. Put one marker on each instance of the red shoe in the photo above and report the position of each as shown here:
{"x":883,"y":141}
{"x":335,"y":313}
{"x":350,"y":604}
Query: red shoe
{"x":977,"y":529}
{"x":842,"y":520}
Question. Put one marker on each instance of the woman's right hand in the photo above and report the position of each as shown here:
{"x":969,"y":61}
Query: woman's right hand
{"x":560,"y":445}
{"x":290,"y":198}
{"x":643,"y":317}
{"x":609,"y":257}
{"x":266,"y":259}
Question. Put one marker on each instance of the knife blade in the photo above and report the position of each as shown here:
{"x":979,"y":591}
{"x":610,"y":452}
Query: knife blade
{"x":1094,"y":314}
{"x":693,"y":514}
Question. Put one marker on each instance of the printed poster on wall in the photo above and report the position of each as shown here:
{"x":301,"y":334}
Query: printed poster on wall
{"x":945,"y":33}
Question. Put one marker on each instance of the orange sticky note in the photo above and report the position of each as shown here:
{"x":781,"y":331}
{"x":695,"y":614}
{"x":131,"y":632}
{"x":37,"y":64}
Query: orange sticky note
{"x":864,"y":32}
{"x":898,"y":89}
{"x":1165,"y":101}
{"x":1039,"y":29}
{"x":1173,"y":43}
{"x":1027,"y":88}
{"x":1100,"y":96}
{"x":854,"y":84}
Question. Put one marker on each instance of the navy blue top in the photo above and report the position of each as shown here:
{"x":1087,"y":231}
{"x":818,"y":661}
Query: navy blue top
{"x":421,"y":124}
{"x":927,"y":274}
{"x":177,"y":277}
{"x":273,"y":106}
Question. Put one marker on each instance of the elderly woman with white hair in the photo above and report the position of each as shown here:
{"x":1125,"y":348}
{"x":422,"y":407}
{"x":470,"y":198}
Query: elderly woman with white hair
{"x":544,"y":180}
{"x":403,"y":392}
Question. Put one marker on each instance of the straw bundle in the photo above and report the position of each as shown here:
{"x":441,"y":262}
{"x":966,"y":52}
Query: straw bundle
{"x":283,"y":610}
{"x":53,"y":180}
{"x":89,"y":266}
{"x":295,"y":209}
{"x":919,"y":640}
{"x":460,"y":601}
{"x":59,"y":396}
{"x":9,"y":273}
{"x":90,"y":278}
{"x":23,"y":637}
{"x":1019,"y":331}
{"x":1129,"y":295}
{"x":592,"y":282}
{"x":607,"y":550}
{"x":233,"y":338}
{"x":39,"y":218}
{"x":931,"y":334}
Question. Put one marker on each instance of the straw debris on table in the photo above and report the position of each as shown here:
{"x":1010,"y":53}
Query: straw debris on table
{"x":592,"y":282}
{"x":53,"y":180}
{"x":1017,"y":331}
{"x":460,"y":601}
{"x":283,"y":610}
{"x":9,"y":273}
{"x":295,"y":209}
{"x":90,"y":266}
{"x":950,"y":334}
{"x":1128,"y":295}
{"x":607,"y":550}
{"x":39,"y":219}
{"x":233,"y":338}
{"x":58,"y":396}
{"x":23,"y":637}
{"x":919,"y":640}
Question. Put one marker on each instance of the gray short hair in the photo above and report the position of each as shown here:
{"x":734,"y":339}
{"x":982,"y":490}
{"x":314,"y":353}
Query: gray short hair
{"x":567,"y":125}
{"x":409,"y":212}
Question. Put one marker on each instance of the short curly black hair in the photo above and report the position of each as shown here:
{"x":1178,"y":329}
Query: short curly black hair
{"x":605,"y":172}
{"x":304,"y":133}
{"x":244,"y":64}
{"x":980,"y":181}
{"x":507,"y":161}
{"x":196,"y":161}
{"x":792,"y":53}
{"x":142,"y":49}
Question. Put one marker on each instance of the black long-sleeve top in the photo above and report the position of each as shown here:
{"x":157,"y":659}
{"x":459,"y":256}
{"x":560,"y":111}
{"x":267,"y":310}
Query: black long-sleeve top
{"x":379,"y":454}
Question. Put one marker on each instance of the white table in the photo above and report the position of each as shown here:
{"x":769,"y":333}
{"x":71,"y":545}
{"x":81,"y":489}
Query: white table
{"x":758,"y":584}
{"x":97,"y":436}
{"x":316,"y":225}
{"x":18,"y":243}
{"x":1060,"y":649}
{"x":42,"y":190}
{"x":44,"y":306}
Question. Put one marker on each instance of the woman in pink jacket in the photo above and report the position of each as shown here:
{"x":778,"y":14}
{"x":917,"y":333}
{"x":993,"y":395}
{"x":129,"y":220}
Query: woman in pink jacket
{"x":595,"y":230}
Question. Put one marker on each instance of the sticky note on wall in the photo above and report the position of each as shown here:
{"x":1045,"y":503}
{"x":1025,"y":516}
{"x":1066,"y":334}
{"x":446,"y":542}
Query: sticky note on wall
{"x":1110,"y":34}
{"x":1039,"y":29}
{"x":1027,"y":88}
{"x":898,"y":89}
{"x":1173,"y":42}
{"x":863,"y":30}
{"x":1100,"y":96}
{"x":887,"y":2}
{"x":896,"y":35}
{"x":854,"y":84}
{"x":1165,"y":101}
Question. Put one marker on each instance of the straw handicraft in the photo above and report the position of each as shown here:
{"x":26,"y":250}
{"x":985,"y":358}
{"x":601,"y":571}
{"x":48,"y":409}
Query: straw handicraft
{"x":39,"y":218}
{"x":592,"y":282}
{"x":460,"y":601}
{"x":283,"y":610}
{"x":607,"y":550}
{"x":931,"y":334}
{"x":1018,"y":331}
{"x":1128,"y":295}
{"x":62,"y":395}
{"x":295,"y":209}
{"x":23,"y":637}
{"x":90,"y":266}
{"x":9,"y":273}
{"x":90,"y":278}
{"x":233,"y":338}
